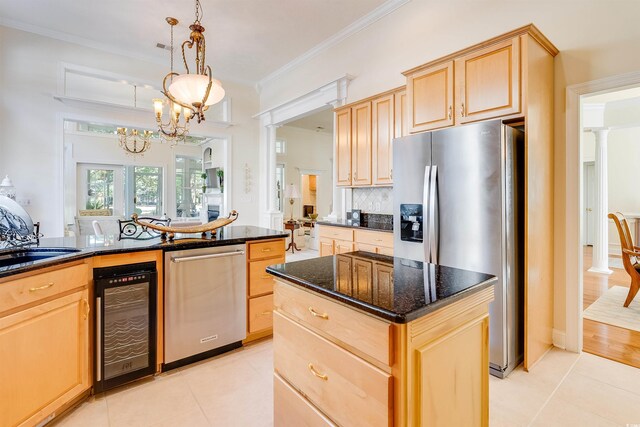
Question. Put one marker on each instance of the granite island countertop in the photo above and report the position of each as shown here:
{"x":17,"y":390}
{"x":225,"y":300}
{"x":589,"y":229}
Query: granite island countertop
{"x":91,"y":245}
{"x":418,"y":288}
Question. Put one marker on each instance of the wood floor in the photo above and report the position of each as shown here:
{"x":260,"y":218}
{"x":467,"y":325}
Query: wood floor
{"x":612,"y":342}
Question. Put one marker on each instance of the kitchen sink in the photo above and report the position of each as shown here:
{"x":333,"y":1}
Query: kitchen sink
{"x":25,"y":255}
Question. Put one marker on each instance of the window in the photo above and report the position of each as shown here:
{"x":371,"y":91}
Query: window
{"x":147,"y":190}
{"x":281,"y":147}
{"x":99,"y":189}
{"x":122,"y":190}
{"x":189,"y":185}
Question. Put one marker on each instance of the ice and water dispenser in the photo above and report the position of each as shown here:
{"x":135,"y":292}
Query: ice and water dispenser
{"x":411,"y":223}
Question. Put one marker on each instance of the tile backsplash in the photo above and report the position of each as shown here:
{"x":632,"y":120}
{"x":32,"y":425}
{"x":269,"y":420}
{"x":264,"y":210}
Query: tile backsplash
{"x":375,"y":200}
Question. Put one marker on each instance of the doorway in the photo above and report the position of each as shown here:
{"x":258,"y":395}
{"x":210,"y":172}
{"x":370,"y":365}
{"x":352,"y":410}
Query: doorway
{"x":609,"y":155}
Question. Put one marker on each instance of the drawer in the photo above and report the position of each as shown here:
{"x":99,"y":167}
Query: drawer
{"x":340,"y":233}
{"x":375,"y":238}
{"x":261,"y":282}
{"x":366,"y":248}
{"x":385,"y":251}
{"x":260,"y":313}
{"x":30,"y":289}
{"x":269,"y":249}
{"x":360,"y":331}
{"x":352,"y":391}
{"x":291,"y":409}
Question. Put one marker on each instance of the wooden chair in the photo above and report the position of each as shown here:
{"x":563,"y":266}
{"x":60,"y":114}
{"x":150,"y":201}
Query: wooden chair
{"x":630,"y":255}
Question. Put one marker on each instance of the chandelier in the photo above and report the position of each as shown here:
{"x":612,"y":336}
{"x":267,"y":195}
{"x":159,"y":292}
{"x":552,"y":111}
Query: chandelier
{"x":194,"y":91}
{"x":134,"y":142}
{"x":172,"y":131}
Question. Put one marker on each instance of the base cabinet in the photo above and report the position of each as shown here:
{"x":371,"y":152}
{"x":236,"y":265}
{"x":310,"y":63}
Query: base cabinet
{"x":261,"y":254}
{"x":44,"y":359}
{"x":341,"y":366}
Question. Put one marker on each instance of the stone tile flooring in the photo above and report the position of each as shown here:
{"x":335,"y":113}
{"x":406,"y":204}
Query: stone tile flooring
{"x":235,"y":390}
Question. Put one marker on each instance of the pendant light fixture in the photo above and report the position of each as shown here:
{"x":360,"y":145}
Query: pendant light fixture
{"x":196,"y":90}
{"x":173,"y":131}
{"x":134,"y":141}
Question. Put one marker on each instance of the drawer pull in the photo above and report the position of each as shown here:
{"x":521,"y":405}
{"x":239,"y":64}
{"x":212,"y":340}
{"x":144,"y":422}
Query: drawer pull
{"x":267,"y":276}
{"x":266,"y":250}
{"x":266,"y":313}
{"x":39,"y":288}
{"x":314,"y":313}
{"x":378,"y":240}
{"x":316,"y":373}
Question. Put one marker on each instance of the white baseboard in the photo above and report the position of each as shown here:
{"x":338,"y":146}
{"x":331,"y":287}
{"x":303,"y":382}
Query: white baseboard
{"x":559,"y":339}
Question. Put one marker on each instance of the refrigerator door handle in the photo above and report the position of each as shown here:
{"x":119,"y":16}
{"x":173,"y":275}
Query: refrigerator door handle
{"x":433,"y":235}
{"x":425,"y":212}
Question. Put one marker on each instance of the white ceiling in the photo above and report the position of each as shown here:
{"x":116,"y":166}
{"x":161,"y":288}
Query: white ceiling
{"x":322,"y":121}
{"x":246,"y":39}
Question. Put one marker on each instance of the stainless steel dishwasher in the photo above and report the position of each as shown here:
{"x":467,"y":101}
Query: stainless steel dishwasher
{"x":204,"y":302}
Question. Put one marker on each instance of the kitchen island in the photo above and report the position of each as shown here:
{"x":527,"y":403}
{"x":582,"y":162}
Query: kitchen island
{"x":367,"y":339}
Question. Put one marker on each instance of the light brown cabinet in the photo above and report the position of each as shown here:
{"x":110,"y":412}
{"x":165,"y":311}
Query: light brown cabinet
{"x":364,"y":135}
{"x":336,"y":365}
{"x":261,"y":254}
{"x":343,"y":147}
{"x":339,"y":240}
{"x":488,"y":82}
{"x":508,"y":77}
{"x":383,"y":133}
{"x":430,"y":95}
{"x":361,"y":144}
{"x":44,"y":346}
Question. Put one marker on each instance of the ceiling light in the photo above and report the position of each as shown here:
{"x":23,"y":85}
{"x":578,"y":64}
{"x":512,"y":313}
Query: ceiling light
{"x":196,"y":89}
{"x":134,"y":142}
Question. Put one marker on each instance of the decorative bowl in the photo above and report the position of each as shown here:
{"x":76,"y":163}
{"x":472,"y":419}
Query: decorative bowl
{"x":313,"y":216}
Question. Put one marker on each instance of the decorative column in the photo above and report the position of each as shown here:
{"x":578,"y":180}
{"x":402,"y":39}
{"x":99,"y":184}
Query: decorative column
{"x":601,"y":244}
{"x":337,"y":192}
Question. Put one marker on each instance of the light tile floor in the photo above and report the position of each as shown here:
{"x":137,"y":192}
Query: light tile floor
{"x":236,"y":390}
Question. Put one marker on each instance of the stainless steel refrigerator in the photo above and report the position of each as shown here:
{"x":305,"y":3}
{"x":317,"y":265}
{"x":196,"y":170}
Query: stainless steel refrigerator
{"x":458,"y":201}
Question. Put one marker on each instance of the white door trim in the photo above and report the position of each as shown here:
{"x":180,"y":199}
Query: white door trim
{"x":573,"y":200}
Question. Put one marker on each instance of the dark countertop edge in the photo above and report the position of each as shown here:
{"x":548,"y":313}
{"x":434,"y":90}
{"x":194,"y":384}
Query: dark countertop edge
{"x":337,"y":224}
{"x":379,"y":312}
{"x":99,"y":251}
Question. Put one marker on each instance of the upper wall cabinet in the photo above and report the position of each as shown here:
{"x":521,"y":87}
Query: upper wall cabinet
{"x":488,"y":82}
{"x":431,"y":93}
{"x":364,"y":134}
{"x":476,"y":84}
{"x":361,"y":144}
{"x":343,"y":147}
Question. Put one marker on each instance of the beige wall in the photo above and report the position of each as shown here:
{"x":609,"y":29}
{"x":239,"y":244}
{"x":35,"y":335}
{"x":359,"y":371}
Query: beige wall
{"x":31,"y":147}
{"x":596,"y":39}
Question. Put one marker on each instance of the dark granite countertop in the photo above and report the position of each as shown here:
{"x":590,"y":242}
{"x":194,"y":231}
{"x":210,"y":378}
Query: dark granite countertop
{"x":418,"y":288}
{"x":343,"y":223}
{"x":94,"y":245}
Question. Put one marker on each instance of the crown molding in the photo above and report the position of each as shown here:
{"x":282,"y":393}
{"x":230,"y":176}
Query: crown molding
{"x":380,"y":12}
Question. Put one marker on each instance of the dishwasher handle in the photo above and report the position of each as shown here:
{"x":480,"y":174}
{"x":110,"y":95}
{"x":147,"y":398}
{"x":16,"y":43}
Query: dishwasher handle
{"x":206,"y":256}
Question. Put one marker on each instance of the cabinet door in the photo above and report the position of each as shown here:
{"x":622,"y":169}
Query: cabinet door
{"x":383,"y":285}
{"x":343,"y":147}
{"x":488,"y":82}
{"x":382,"y":134}
{"x":361,"y":144}
{"x":400,"y":114}
{"x":344,"y":278}
{"x":44,"y":358}
{"x":326,"y":247}
{"x":430,"y":98}
{"x":363,"y":280}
